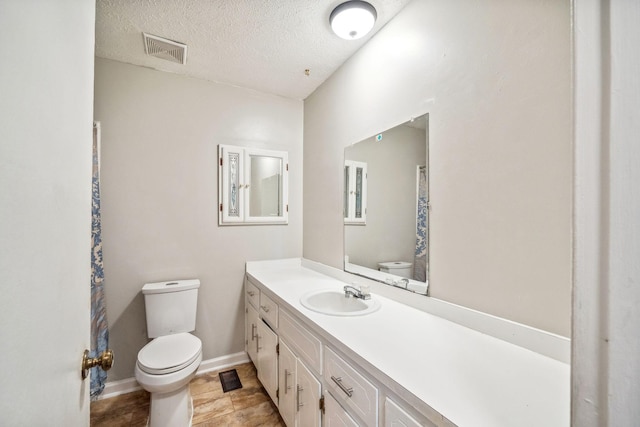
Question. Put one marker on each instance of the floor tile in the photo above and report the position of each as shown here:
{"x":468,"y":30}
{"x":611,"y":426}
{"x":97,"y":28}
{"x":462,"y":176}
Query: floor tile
{"x":249,"y":406}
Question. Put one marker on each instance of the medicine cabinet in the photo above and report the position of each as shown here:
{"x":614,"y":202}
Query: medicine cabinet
{"x":355,"y":192}
{"x":252,"y":186}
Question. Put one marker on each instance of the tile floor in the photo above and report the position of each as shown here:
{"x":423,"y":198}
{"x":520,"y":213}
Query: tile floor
{"x":246,"y":407}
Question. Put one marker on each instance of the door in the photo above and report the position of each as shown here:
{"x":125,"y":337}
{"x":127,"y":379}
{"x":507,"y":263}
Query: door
{"x":268,"y":360}
{"x":45,"y":210}
{"x":287,"y":382}
{"x":335,"y":415}
{"x":308,"y":390}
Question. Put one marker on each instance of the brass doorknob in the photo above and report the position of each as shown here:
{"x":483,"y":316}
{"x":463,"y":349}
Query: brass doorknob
{"x":104,"y":361}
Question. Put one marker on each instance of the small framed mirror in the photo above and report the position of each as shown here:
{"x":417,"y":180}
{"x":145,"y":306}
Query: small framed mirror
{"x":253,"y":186}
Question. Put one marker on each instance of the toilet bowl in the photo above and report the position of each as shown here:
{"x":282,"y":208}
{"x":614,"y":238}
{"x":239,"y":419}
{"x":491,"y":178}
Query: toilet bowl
{"x":167,"y":364}
{"x":398,"y":268}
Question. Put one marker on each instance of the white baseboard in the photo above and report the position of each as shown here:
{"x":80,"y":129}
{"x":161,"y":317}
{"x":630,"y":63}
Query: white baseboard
{"x":116,"y":388}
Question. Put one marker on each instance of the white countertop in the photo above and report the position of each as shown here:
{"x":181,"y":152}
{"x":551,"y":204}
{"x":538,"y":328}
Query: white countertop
{"x":470,"y":378}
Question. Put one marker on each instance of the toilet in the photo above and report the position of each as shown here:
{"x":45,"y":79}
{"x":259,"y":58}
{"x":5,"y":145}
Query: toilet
{"x":167,"y":364}
{"x":397,"y":268}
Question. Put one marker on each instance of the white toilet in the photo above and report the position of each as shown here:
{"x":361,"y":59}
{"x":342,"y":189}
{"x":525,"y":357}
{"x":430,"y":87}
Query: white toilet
{"x":167,"y":364}
{"x":398,"y":268}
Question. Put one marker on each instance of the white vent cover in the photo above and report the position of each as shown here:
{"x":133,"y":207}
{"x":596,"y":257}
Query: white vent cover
{"x":165,"y":49}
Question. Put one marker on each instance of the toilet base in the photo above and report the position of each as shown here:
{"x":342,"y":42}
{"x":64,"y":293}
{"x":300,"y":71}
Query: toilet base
{"x":173,"y":409}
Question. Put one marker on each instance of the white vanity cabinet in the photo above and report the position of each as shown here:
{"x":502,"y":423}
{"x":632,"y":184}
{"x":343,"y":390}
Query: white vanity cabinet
{"x":312,"y":383}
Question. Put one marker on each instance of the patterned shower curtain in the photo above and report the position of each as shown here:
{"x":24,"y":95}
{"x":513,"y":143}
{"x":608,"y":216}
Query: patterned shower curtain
{"x":99,"y":326}
{"x":420,"y":260}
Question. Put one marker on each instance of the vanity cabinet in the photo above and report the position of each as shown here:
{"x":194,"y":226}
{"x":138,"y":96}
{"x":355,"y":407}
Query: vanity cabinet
{"x":312,"y":384}
{"x":252,"y":186}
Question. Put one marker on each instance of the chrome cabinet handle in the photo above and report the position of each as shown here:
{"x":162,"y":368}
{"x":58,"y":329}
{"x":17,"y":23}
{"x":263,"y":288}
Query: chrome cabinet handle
{"x":251,"y":293}
{"x":257,"y":344}
{"x":265,"y":308}
{"x":298,"y":403}
{"x":347,"y":390}
{"x":286,"y":376}
{"x":253,"y":332}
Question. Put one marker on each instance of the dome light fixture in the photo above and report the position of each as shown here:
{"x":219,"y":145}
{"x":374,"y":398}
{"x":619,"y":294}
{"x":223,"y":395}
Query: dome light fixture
{"x":353,"y":19}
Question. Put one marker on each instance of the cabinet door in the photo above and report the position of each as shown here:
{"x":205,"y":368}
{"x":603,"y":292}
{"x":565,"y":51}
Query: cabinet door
{"x":308,"y":391}
{"x":335,"y":415}
{"x":287,"y":382}
{"x":231,"y":182}
{"x":251,"y":333}
{"x":268,"y":360}
{"x":395,"y":416}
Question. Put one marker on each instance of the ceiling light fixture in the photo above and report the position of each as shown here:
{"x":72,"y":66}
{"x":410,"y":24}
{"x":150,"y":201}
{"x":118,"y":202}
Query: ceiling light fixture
{"x":353,"y":19}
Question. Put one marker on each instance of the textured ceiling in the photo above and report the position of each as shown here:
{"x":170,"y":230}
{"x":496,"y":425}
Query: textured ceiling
{"x":264,"y":45}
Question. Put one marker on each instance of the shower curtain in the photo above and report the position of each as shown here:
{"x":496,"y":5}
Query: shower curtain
{"x":99,"y":326}
{"x":420,"y":260}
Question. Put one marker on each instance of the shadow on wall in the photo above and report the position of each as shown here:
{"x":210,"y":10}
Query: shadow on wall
{"x":125,"y":341}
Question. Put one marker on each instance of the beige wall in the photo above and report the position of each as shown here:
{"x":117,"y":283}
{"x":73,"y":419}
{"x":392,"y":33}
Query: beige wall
{"x":494,"y":76}
{"x":159,"y":197}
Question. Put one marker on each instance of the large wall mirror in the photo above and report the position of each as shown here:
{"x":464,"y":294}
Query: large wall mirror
{"x":386,"y":199}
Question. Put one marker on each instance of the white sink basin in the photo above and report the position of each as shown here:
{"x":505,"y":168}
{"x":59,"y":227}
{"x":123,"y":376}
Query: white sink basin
{"x":334,"y":303}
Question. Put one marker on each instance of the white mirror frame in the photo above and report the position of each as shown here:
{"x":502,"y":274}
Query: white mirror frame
{"x":234,"y":165}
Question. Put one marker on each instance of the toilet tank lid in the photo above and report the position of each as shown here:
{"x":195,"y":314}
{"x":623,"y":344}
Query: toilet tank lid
{"x":170,"y":286}
{"x":395,"y":264}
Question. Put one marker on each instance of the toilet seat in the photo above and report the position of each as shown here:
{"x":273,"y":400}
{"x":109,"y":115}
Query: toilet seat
{"x":169,"y":353}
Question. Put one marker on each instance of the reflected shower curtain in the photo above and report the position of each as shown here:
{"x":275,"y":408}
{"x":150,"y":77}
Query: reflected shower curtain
{"x":420,"y":260}
{"x":99,"y":326}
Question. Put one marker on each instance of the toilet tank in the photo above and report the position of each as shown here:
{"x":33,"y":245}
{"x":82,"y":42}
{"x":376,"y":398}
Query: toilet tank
{"x":170,"y":306}
{"x":398,"y":268}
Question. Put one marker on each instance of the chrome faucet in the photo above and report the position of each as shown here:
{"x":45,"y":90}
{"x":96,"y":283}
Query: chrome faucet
{"x":350,"y":291}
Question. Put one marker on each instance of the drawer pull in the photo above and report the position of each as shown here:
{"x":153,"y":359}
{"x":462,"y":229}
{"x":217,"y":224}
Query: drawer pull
{"x":286,"y":377}
{"x":265,"y":308}
{"x":251,"y":293}
{"x":347,"y":390}
{"x":298,"y":403}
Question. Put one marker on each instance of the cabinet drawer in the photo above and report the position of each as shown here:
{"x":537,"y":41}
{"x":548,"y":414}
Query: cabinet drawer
{"x":253,"y":293}
{"x":396,"y":416}
{"x":306,"y":346}
{"x":334,"y":415}
{"x":269,"y":310}
{"x":359,"y":394}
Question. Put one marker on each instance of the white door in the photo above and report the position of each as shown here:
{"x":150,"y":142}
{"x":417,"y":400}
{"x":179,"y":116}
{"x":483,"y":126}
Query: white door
{"x":46,"y":116}
{"x":252,"y":333}
{"x":268,"y":360}
{"x":287,"y":385}
{"x":308,"y":397}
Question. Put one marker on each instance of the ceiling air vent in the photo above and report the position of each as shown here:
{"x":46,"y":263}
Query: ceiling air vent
{"x":165,"y":49}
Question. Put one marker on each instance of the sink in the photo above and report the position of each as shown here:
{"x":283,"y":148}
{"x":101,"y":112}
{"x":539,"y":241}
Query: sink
{"x":334,"y":303}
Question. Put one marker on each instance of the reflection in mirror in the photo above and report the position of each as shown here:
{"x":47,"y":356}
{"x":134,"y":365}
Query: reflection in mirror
{"x":391,"y":245}
{"x":266,"y":186}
